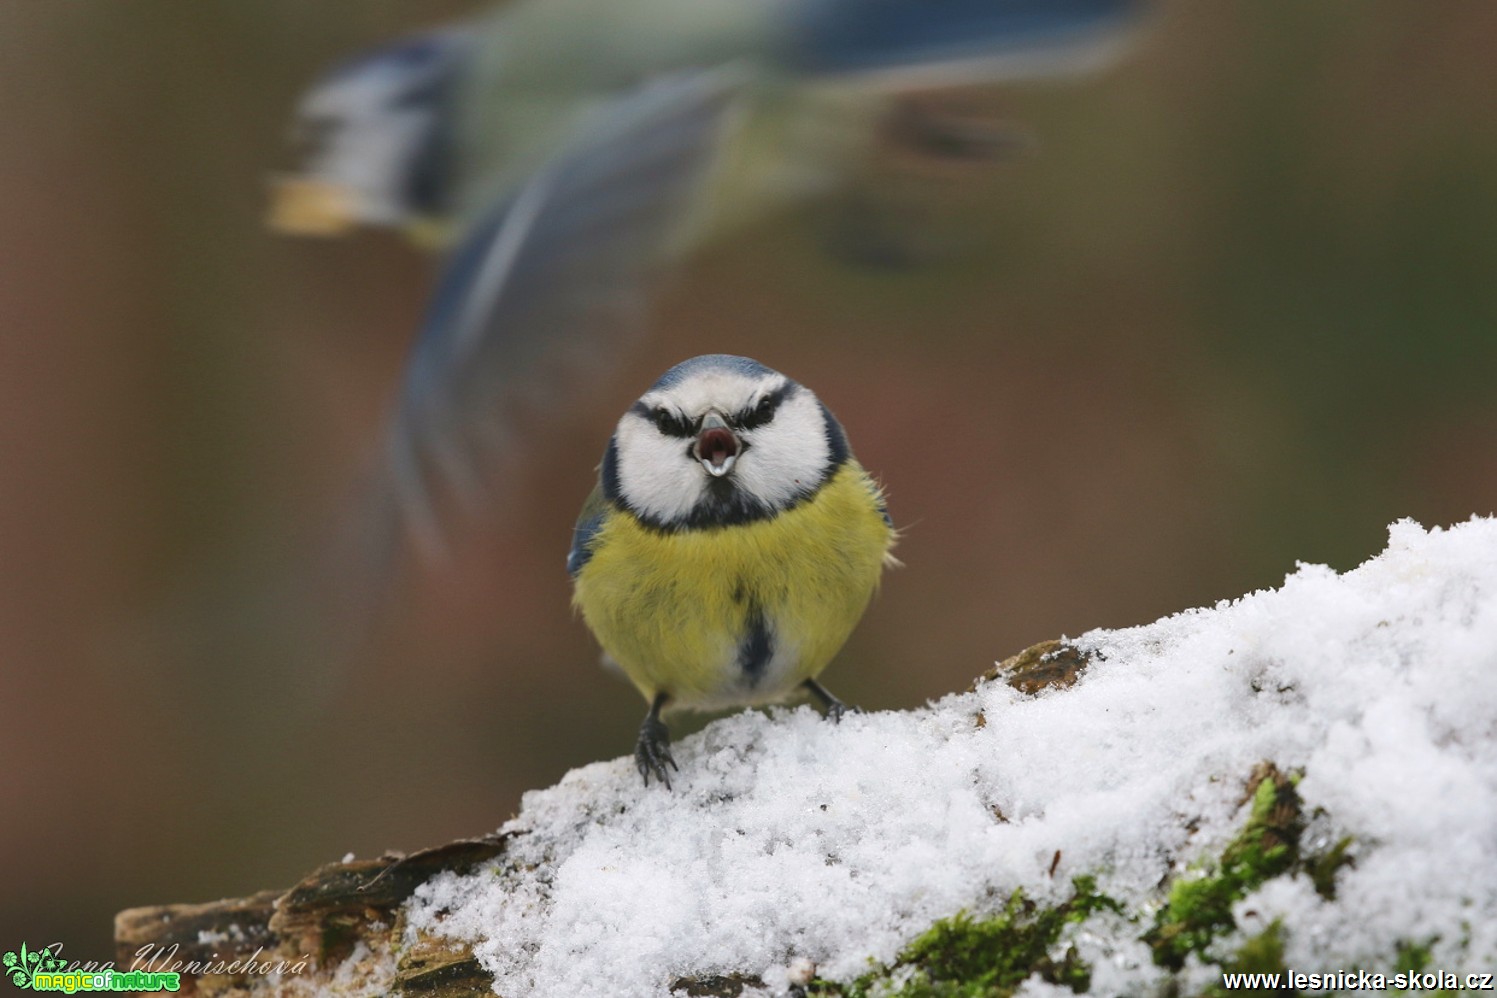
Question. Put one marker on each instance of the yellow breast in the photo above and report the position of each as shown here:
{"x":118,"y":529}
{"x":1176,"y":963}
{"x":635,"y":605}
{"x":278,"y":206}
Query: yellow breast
{"x":736,"y":615}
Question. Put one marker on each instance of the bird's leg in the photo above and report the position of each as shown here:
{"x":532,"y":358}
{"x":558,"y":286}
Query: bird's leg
{"x":652,"y":753}
{"x":834,"y":708}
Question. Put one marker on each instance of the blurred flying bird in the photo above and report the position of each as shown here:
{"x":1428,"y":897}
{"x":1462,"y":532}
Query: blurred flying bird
{"x":562,"y":150}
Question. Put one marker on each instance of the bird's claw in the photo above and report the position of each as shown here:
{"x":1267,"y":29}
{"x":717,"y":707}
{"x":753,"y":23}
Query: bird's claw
{"x":652,"y":753}
{"x":834,"y":708}
{"x":837,"y":708}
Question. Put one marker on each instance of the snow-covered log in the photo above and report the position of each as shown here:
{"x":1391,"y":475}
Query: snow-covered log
{"x":1302,"y":780}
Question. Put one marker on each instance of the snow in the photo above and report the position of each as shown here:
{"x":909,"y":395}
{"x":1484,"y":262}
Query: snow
{"x":789,"y":839}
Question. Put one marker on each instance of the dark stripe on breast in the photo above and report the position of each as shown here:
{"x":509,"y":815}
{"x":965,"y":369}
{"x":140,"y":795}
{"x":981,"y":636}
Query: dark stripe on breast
{"x":756,"y":647}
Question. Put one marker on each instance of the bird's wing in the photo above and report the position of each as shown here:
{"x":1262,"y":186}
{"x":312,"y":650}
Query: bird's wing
{"x":589,"y":522}
{"x":545,"y":285}
{"x":910,"y":44}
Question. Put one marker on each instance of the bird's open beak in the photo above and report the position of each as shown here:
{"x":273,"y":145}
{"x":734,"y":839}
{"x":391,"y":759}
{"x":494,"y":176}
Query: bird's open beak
{"x":717,"y":446}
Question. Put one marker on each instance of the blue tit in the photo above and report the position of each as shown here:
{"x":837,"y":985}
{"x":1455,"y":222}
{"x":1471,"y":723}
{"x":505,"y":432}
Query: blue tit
{"x":731,"y":545}
{"x":562,"y":150}
{"x":425,"y":133}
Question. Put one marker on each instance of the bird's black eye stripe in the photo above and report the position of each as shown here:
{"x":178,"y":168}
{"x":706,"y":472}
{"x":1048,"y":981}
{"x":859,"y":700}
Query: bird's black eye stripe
{"x":763,"y":411}
{"x":666,"y":421}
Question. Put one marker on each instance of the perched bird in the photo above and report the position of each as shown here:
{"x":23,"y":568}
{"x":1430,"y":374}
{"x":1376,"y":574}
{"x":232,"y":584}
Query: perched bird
{"x":731,"y":544}
{"x":563,"y":149}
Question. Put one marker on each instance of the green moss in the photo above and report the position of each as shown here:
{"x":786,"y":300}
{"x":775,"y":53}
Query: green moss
{"x":1415,"y":958}
{"x":1260,"y":954}
{"x":967,"y":957}
{"x":1412,"y":957}
{"x":339,"y":936}
{"x":1323,"y":868}
{"x":989,"y":957}
{"x":1199,"y":909}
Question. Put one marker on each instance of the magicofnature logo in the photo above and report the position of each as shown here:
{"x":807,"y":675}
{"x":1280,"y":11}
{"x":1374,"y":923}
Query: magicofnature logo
{"x":44,"y":970}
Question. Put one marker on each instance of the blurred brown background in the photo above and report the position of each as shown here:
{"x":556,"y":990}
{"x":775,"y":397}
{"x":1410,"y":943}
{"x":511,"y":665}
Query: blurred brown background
{"x":1236,"y":309}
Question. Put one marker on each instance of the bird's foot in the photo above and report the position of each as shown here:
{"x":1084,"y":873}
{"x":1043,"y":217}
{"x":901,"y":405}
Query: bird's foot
{"x":837,"y":708}
{"x":834,"y":707}
{"x":652,"y":753}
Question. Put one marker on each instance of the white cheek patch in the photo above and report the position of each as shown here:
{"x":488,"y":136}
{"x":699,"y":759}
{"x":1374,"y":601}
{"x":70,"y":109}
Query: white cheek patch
{"x":788,"y":456}
{"x":658,"y":477}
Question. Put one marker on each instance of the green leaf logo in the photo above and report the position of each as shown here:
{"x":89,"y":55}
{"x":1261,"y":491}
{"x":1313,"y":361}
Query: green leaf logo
{"x":23,"y":967}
